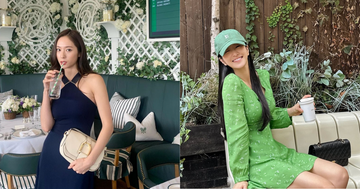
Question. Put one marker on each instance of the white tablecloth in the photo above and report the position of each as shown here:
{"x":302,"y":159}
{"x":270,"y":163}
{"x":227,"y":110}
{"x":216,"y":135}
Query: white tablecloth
{"x":17,"y":145}
{"x":166,"y":184}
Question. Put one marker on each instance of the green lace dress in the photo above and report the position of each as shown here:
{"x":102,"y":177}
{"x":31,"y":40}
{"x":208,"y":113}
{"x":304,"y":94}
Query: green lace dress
{"x":254,"y":155}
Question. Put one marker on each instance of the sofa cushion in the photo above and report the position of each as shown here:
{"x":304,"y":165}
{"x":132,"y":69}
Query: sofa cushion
{"x":4,"y":95}
{"x":120,"y":107}
{"x":160,"y":97}
{"x":146,"y":130}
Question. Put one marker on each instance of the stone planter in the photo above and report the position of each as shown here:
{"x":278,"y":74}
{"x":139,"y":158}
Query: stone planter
{"x":9,"y":115}
{"x":205,"y":163}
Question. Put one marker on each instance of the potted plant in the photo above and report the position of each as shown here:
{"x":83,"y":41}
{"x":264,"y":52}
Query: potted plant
{"x":10,"y":107}
{"x":26,"y":105}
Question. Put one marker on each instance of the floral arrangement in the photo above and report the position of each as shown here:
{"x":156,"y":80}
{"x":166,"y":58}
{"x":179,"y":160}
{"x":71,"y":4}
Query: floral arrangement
{"x":27,"y":104}
{"x":11,"y":104}
{"x":150,"y":68}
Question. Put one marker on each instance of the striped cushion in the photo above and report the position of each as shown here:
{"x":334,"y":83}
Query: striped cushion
{"x":107,"y":169}
{"x":25,"y":182}
{"x":116,"y":96}
{"x":118,"y":108}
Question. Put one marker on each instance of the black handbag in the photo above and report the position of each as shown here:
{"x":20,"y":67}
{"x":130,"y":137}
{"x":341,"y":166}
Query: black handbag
{"x":337,"y":151}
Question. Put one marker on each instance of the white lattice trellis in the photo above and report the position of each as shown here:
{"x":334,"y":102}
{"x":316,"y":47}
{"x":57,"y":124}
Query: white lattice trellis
{"x":134,"y":42}
{"x":35,"y":29}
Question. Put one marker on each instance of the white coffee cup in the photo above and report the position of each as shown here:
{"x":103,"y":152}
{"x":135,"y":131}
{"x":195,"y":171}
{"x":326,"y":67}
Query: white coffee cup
{"x":307,"y":105}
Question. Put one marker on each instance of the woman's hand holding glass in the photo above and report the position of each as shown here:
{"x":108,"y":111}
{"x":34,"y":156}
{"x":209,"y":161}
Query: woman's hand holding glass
{"x":50,"y":76}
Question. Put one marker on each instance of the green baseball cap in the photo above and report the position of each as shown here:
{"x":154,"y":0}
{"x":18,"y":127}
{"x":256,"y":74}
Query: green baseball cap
{"x":226,"y":38}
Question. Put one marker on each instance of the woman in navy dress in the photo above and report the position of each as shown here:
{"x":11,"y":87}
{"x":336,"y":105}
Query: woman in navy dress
{"x":83,"y":93}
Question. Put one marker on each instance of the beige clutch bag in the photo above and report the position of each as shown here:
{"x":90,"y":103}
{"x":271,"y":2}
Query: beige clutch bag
{"x":76,"y":144}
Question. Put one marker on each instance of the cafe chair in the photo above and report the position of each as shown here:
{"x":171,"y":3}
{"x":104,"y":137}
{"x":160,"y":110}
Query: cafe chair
{"x":116,"y":162}
{"x":19,"y":165}
{"x":158,"y":164}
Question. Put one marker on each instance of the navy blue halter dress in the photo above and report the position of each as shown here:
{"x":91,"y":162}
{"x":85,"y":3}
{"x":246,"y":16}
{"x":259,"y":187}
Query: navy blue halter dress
{"x":72,"y":110}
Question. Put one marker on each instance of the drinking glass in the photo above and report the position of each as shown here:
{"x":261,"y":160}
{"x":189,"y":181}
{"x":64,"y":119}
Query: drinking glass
{"x":31,"y":116}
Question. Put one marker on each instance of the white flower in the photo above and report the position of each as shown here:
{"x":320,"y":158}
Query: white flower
{"x":33,"y":63}
{"x":140,"y":12}
{"x":118,"y":24}
{"x":25,"y":105}
{"x":131,"y":68}
{"x":72,"y":2}
{"x":106,"y":58}
{"x":10,"y":105}
{"x":29,"y":10}
{"x":157,"y":63}
{"x":125,"y":26}
{"x":139,"y":65}
{"x":48,"y":51}
{"x":66,"y":19}
{"x":116,"y":8}
{"x":22,"y":43}
{"x":13,"y":60}
{"x":17,"y":61}
{"x":122,"y":62}
{"x":57,"y":17}
{"x":2,"y":65}
{"x":75,"y":8}
{"x":27,"y":100}
{"x":55,"y":7}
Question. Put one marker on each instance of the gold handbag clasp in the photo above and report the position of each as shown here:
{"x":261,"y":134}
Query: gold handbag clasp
{"x":82,"y":145}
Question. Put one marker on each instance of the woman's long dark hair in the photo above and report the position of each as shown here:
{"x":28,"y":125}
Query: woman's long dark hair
{"x":83,"y":65}
{"x":255,"y":85}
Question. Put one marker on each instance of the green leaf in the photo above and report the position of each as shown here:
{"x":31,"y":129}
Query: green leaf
{"x":347,"y":49}
{"x":339,"y":84}
{"x":284,"y":66}
{"x":278,"y":58}
{"x":254,"y":38}
{"x":286,"y":74}
{"x":325,"y":81}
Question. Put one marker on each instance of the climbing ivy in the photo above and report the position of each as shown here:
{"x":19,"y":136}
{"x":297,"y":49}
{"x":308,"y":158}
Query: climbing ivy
{"x":252,"y":12}
{"x":281,"y":14}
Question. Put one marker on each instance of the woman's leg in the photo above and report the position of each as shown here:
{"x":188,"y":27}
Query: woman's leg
{"x":310,"y":180}
{"x":333,"y":172}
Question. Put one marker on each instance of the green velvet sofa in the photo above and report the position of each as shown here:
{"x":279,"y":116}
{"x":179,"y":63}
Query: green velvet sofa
{"x":160,"y":97}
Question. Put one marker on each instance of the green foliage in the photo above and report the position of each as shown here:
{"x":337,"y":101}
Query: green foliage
{"x":198,"y":103}
{"x":334,"y":5}
{"x":252,"y":12}
{"x":274,"y":19}
{"x":292,"y":78}
{"x":150,"y":68}
{"x":282,"y":15}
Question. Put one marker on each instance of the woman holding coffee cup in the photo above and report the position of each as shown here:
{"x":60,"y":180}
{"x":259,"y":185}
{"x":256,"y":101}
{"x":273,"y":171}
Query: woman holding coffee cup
{"x":248,"y":112}
{"x":83,"y":94}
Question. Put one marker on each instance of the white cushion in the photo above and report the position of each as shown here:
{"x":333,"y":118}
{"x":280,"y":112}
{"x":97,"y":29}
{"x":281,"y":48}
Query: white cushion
{"x":4,"y":95}
{"x":176,"y":139}
{"x":146,"y":130}
{"x":120,"y":107}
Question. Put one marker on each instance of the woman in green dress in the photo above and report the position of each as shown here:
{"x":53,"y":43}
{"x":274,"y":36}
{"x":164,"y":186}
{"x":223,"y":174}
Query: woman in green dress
{"x":248,"y":113}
